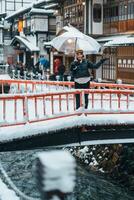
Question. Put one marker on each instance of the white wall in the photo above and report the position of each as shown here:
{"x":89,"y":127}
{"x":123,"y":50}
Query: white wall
{"x":95,"y":28}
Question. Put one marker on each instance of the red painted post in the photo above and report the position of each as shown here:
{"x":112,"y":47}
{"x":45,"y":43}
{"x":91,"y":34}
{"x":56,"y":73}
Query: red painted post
{"x":44,"y":105}
{"x":67,"y":102}
{"x":127,"y":101}
{"x":110,"y":101}
{"x":119,"y":102}
{"x":92,"y":100}
{"x":25,"y":109}
{"x":60,"y":103}
{"x":101,"y":100}
{"x":4,"y":109}
{"x":82,"y":99}
{"x":35,"y":102}
{"x":74,"y":107}
{"x":52,"y":104}
{"x":15,"y":109}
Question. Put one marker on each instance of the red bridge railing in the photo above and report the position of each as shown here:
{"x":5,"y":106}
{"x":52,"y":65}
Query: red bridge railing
{"x":30,"y":86}
{"x":28,"y":108}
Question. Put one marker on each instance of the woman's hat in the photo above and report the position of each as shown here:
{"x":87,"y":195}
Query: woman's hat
{"x":79,"y":51}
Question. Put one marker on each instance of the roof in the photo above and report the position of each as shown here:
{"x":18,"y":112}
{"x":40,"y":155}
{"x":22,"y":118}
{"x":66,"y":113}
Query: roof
{"x":47,"y":3}
{"x":25,"y":42}
{"x":41,"y":11}
{"x":19,"y":11}
{"x":122,"y":41}
{"x":110,"y":38}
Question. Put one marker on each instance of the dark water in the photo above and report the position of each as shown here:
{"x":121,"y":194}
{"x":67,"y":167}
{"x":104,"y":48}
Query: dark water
{"x":20,"y":167}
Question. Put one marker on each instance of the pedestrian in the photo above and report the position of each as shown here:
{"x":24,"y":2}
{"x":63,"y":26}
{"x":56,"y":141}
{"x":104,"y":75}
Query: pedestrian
{"x":80,"y":72}
{"x":61,"y":71}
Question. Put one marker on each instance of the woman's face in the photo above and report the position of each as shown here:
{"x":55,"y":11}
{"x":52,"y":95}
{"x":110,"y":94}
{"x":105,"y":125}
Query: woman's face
{"x":79,"y":56}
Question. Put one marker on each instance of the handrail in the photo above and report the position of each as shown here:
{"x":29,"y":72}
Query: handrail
{"x":31,"y":85}
{"x":46,"y":106}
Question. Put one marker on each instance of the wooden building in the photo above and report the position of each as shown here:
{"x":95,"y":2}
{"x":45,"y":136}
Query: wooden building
{"x":106,"y":20}
{"x":119,"y":22}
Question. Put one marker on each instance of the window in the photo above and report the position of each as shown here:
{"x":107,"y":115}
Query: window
{"x":97,"y":12}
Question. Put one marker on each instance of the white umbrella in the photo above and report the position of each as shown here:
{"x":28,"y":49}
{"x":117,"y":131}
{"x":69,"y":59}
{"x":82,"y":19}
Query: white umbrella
{"x":70,"y":41}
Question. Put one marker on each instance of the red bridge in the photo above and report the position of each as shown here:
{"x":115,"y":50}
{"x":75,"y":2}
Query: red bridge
{"x":31,"y":104}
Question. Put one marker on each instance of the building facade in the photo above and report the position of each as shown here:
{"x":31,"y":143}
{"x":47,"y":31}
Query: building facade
{"x":119,"y":22}
{"x":6,"y":8}
{"x":9,"y":6}
{"x":29,"y":29}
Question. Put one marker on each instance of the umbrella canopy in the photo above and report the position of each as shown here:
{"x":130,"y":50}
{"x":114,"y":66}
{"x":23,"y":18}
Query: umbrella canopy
{"x":72,"y":40}
{"x":68,"y":28}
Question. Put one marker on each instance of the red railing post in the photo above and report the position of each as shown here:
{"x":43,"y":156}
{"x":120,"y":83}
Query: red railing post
{"x":82,"y":99}
{"x":127,"y":101}
{"x":92,"y":100}
{"x":110,"y":101}
{"x":4,"y":110}
{"x":60,"y":103}
{"x":25,"y":109}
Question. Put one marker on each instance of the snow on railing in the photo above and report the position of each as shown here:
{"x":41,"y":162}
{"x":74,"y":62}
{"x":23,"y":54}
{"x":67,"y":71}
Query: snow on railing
{"x":29,"y":108}
{"x":32,"y":86}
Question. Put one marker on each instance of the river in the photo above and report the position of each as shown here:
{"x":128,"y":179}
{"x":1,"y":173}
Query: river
{"x":20,"y":167}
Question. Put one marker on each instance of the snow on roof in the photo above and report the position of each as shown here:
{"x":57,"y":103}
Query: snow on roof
{"x":30,"y":6}
{"x":19,"y":11}
{"x":122,"y":41}
{"x":42,"y":11}
{"x":51,"y":6}
{"x":110,"y":38}
{"x":26,"y":42}
{"x":43,"y":2}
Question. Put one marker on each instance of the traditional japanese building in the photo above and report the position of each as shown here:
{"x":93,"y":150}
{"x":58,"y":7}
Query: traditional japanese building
{"x":119,"y":23}
{"x":106,"y":20}
{"x":30,"y":27}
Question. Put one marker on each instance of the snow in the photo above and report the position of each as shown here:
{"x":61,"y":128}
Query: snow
{"x":26,"y":42}
{"x":122,"y":41}
{"x":6,"y":194}
{"x":59,"y":170}
{"x":39,"y":112}
{"x":37,"y":10}
{"x":19,"y":11}
{"x":9,"y":133}
{"x":5,"y":77}
{"x":26,"y":8}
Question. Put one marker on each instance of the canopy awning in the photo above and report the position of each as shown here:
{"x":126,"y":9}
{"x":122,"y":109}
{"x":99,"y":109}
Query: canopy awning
{"x":27,"y":43}
{"x":122,"y":41}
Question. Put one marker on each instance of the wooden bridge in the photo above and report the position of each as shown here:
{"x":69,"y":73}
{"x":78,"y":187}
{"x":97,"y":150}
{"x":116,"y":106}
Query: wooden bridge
{"x":51,"y":105}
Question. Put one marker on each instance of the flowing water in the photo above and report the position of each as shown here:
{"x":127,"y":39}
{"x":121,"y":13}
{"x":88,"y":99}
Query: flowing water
{"x":20,"y":167}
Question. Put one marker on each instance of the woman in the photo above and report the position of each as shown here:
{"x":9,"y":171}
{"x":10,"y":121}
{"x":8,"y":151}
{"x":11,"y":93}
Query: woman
{"x":80,"y":71}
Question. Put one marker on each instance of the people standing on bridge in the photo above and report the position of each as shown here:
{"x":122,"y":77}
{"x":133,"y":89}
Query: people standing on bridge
{"x":80,"y":72}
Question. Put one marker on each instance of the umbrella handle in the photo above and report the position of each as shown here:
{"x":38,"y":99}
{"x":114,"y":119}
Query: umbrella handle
{"x":75,"y":44}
